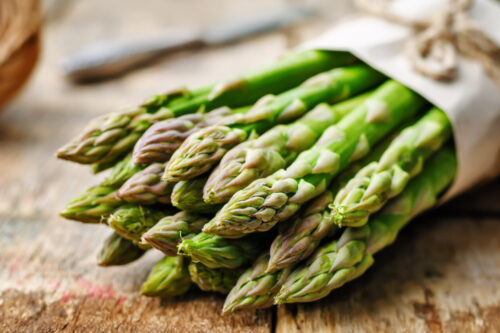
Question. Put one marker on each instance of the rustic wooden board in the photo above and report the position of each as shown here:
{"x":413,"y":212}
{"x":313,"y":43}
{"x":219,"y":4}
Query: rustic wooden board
{"x":442,"y":274}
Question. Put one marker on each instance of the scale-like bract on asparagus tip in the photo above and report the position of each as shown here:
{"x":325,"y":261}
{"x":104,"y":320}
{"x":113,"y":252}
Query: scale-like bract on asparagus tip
{"x":147,"y":187}
{"x":171,"y":230}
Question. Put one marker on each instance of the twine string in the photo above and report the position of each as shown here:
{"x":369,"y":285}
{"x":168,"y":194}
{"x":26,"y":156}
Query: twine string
{"x":434,"y":48}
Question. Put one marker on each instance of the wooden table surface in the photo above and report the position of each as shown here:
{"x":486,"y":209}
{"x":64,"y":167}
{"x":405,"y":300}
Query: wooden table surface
{"x":441,"y":275}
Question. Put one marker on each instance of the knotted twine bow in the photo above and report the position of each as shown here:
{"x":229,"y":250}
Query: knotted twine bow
{"x":433,"y":50}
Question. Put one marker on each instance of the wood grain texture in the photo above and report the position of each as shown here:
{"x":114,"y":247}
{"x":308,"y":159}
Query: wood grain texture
{"x":441,"y":274}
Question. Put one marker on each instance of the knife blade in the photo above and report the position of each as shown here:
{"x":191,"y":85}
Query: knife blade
{"x":111,"y":58}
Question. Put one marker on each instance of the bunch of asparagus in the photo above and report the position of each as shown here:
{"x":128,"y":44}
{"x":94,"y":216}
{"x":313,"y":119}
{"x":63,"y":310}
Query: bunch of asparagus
{"x":275,"y":187}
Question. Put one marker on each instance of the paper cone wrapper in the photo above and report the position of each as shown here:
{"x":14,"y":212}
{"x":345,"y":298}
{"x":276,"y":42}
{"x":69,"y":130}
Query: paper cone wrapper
{"x":472,"y":101}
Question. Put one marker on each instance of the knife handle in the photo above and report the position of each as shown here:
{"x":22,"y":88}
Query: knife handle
{"x":110,"y":59}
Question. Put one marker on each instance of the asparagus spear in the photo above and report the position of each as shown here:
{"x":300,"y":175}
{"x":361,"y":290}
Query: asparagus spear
{"x":117,"y":250}
{"x":213,"y":279}
{"x":98,"y":202}
{"x":121,"y":172}
{"x":343,"y":260}
{"x":131,"y":221}
{"x":204,"y":148}
{"x":217,"y":252}
{"x":108,"y":138}
{"x":379,"y":181}
{"x":188,"y":195}
{"x":159,"y":142}
{"x":267,"y":201}
{"x":259,"y":284}
{"x":274,"y":150}
{"x":169,"y":277}
{"x":255,"y":288}
{"x":146,"y":187}
{"x":171,"y":230}
{"x":92,"y":206}
{"x":300,"y":237}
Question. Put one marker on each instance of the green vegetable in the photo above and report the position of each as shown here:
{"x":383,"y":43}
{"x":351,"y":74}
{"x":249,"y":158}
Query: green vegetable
{"x":188,"y":195}
{"x":343,"y":260}
{"x":255,"y":288}
{"x":131,"y":221}
{"x":92,"y":206}
{"x":159,"y":142}
{"x":217,"y":252}
{"x":147,"y":187}
{"x":213,"y":279}
{"x":169,"y":277}
{"x":171,"y":230}
{"x":117,"y":250}
{"x":267,"y":201}
{"x":108,"y":138}
{"x":379,"y":181}
{"x":206,"y":147}
{"x":274,"y":150}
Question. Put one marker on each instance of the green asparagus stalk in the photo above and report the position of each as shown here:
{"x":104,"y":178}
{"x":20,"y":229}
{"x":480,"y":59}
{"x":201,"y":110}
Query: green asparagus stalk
{"x":168,"y":278}
{"x":267,"y":201}
{"x":343,"y":260}
{"x":259,"y":284}
{"x":131,"y":221}
{"x":108,"y":138}
{"x":188,"y":195}
{"x":273,"y":151}
{"x":302,"y":235}
{"x":159,"y":142}
{"x":204,"y":148}
{"x":376,"y":183}
{"x":255,"y":288}
{"x":147,"y":187}
{"x":117,"y":250}
{"x":213,"y":279}
{"x":92,"y":206}
{"x":171,"y":230}
{"x":218,"y":252}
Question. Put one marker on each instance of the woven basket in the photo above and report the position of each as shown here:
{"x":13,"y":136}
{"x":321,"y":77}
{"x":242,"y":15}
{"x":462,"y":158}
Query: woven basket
{"x":20,"y":22}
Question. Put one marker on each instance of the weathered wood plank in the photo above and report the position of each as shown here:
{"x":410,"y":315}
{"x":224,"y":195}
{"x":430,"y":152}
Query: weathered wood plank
{"x":29,"y":312}
{"x":441,"y":275}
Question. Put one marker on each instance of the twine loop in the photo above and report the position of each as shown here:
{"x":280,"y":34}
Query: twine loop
{"x":434,"y":48}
